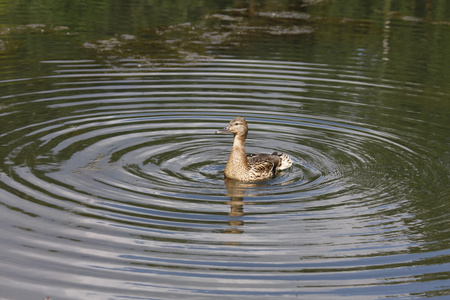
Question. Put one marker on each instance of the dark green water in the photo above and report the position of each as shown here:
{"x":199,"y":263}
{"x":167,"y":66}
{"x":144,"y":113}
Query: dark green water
{"x":111,"y":177}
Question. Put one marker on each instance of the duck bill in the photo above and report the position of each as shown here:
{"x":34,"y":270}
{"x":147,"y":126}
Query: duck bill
{"x":224,"y":130}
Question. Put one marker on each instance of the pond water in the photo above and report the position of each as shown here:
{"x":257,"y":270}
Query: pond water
{"x":111,"y":176}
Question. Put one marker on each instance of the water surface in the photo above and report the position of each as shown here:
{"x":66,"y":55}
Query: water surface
{"x":111,"y":176}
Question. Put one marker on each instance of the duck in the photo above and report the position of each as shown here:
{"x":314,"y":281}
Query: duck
{"x":250,"y":167}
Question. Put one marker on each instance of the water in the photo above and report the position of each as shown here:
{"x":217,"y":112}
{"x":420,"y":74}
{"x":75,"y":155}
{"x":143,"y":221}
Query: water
{"x":111,"y":177}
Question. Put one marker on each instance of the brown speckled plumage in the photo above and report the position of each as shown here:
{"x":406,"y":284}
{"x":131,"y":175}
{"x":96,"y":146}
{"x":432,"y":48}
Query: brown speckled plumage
{"x":251,"y":167}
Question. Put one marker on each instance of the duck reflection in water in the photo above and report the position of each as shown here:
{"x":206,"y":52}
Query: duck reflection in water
{"x":236,"y":190}
{"x":243,"y":171}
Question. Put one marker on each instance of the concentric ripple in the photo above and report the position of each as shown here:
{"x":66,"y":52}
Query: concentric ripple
{"x":113,"y":183}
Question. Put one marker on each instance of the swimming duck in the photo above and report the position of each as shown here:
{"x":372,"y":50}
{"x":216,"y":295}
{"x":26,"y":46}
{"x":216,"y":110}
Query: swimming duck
{"x":250,"y":167}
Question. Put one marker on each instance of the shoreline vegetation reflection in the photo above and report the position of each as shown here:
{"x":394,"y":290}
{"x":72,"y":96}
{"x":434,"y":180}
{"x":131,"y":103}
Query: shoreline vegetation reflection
{"x":230,"y":26}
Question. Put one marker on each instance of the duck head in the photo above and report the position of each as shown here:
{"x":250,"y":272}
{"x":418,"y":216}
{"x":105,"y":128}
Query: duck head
{"x":237,"y":126}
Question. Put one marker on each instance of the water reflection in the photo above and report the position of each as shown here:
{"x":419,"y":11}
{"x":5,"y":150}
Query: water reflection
{"x":237,"y":190}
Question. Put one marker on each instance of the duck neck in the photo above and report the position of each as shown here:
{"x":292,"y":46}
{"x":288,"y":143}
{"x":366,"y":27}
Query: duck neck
{"x":239,"y":145}
{"x":237,"y":160}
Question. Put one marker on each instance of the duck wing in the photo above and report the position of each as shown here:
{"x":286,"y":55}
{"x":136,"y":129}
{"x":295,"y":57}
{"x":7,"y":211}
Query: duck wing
{"x":263,"y":163}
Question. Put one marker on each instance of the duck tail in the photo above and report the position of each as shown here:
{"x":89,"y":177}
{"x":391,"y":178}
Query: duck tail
{"x":285,"y":161}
